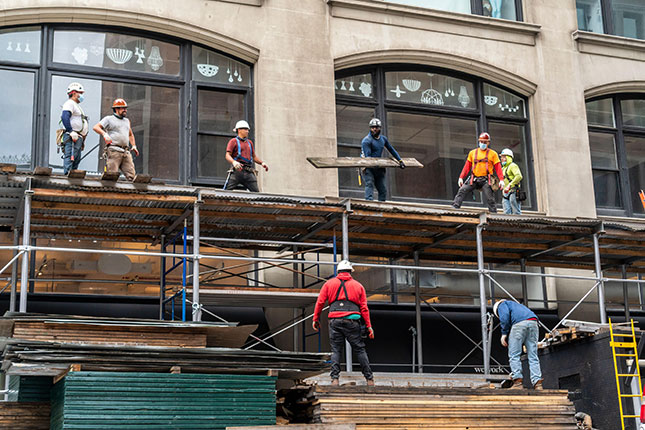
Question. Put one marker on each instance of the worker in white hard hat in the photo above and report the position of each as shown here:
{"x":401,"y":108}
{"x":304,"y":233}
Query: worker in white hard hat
{"x":119,"y":140}
{"x":372,"y":146}
{"x":512,"y":179}
{"x":76,"y":127}
{"x":479,"y":172}
{"x":348,"y":315}
{"x":240,"y":153}
{"x":519,"y":328}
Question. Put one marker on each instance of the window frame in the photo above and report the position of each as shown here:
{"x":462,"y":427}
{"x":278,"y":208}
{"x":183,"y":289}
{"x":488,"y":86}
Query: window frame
{"x":382,"y":105}
{"x":608,"y":19}
{"x":47,"y":68}
{"x":619,"y":132}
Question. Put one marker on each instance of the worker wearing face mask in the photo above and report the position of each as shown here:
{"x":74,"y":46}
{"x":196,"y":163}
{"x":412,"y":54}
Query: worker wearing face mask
{"x":76,"y":127}
{"x":512,"y":178}
{"x":482,"y":163}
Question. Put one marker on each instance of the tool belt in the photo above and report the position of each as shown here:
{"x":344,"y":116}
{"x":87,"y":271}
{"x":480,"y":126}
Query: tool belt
{"x":343,"y":305}
{"x":117,"y":148}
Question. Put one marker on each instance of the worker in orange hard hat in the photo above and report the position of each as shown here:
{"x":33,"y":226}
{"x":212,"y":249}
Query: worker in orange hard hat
{"x":482,"y":164}
{"x":119,"y":140}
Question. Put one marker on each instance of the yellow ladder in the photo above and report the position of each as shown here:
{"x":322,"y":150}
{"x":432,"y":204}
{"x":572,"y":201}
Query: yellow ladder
{"x":628,"y":342}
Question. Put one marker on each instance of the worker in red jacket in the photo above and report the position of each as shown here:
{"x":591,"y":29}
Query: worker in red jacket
{"x":347,"y":305}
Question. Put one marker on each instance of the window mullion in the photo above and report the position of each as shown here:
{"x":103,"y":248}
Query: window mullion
{"x":623,"y":174}
{"x":607,"y":17}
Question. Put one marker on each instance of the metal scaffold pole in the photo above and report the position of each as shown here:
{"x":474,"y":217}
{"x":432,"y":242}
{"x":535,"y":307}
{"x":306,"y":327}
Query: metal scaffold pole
{"x":482,"y":295}
{"x":348,"y":347}
{"x":197,"y":311}
{"x":417,"y":311}
{"x":26,"y":232}
{"x":601,"y":283}
{"x":14,"y":272}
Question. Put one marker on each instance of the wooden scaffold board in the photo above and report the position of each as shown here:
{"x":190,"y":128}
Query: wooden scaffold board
{"x":340,"y":162}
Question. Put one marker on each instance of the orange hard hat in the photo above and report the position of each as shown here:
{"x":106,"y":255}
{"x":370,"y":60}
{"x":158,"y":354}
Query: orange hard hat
{"x":484,"y":137}
{"x":119,"y":103}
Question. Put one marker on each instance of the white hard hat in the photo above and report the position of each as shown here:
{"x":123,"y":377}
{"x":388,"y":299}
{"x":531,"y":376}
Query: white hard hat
{"x":375,"y":122}
{"x":75,"y":86}
{"x":345,"y":266}
{"x":496,"y":305}
{"x":507,"y":151}
{"x":241,"y":124}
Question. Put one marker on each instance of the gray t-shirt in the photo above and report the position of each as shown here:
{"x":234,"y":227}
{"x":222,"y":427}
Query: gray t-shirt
{"x":78,"y":123}
{"x":118,"y":129}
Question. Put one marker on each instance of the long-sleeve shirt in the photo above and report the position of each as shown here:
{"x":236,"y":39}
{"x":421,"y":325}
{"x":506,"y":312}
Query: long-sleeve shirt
{"x":374,"y":147}
{"x":512,"y":173}
{"x":479,"y":167}
{"x":355,"y":293}
{"x":511,"y":312}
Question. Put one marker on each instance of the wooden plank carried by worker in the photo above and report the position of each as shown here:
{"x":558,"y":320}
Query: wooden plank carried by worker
{"x":338,"y":162}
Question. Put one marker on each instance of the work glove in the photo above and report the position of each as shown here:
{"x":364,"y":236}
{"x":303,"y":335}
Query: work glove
{"x":266,"y":168}
{"x":370,"y":332}
{"x":401,"y":164}
{"x":507,"y":189}
{"x":107,"y":138}
{"x":460,"y":182}
{"x":502,"y":184}
{"x":315,"y":325}
{"x":135,"y":150}
{"x":74,"y":135}
{"x":503,"y":340}
{"x":237,"y":165}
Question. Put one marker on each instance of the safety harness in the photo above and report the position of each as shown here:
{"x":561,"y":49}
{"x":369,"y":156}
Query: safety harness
{"x":239,"y":152}
{"x":477,"y":160}
{"x":344,"y":305}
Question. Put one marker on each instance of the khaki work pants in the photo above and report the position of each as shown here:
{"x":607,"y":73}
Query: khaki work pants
{"x":120,"y":160}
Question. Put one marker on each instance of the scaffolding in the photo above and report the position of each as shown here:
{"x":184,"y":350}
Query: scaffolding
{"x":241,"y":225}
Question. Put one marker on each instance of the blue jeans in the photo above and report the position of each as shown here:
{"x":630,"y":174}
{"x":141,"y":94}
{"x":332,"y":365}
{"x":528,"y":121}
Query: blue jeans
{"x":71,"y":150}
{"x":375,"y":177}
{"x":524,"y":333}
{"x":511,"y":205}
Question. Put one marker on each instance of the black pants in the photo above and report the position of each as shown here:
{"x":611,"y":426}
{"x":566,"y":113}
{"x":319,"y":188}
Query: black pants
{"x":339,"y":330}
{"x":480,"y":183}
{"x":245,"y":177}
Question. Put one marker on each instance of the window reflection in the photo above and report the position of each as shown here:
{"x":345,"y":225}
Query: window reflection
{"x":358,"y":85}
{"x":601,"y":112}
{"x":633,"y":112}
{"x":21,"y":46}
{"x":635,"y":151}
{"x":429,"y":89}
{"x":589,"y":14}
{"x":16,"y":121}
{"x":153,"y":113}
{"x":352,"y":126}
{"x":461,"y":6}
{"x":504,"y":9}
{"x":209,"y":66}
{"x":116,"y":51}
{"x":629,"y":18}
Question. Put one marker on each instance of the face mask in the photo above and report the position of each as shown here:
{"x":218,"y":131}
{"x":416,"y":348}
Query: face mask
{"x":482,"y":146}
{"x":81,"y":97}
{"x":503,"y":163}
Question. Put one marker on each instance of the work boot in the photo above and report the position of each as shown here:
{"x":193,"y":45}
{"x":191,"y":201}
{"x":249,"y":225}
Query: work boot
{"x":538,"y":385}
{"x":517,"y":384}
{"x":334,"y":382}
{"x":370,"y":382}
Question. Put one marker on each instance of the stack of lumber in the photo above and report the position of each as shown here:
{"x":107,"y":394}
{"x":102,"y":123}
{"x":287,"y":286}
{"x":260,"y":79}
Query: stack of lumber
{"x":24,"y":416}
{"x":53,"y":359}
{"x":384,"y":408}
{"x":109,"y":331}
{"x":564,"y":335}
{"x":114,"y":401}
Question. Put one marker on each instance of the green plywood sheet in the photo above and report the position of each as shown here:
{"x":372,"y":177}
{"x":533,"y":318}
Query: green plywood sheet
{"x":116,"y":401}
{"x":29,"y":388}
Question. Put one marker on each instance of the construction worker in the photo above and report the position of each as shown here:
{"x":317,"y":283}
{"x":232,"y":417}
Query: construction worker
{"x":481,"y":164}
{"x":512,"y":179}
{"x":583,"y":421}
{"x":372,"y":146}
{"x":519,"y":327}
{"x":347,"y":305}
{"x":119,"y":140}
{"x":240,"y":152}
{"x":75,"y":125}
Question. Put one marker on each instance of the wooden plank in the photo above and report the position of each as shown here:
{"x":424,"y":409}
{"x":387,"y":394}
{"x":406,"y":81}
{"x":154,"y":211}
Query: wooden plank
{"x":7,"y":168}
{"x":42,"y":171}
{"x":76,"y":174}
{"x":142,"y":179}
{"x":84,"y":207}
{"x":416,"y":216}
{"x":110,"y":176}
{"x":109,"y":195}
{"x":263,"y":216}
{"x":323,"y":209}
{"x":342,"y":162}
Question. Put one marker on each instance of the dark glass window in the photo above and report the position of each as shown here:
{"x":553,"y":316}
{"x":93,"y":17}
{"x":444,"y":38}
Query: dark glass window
{"x":617,"y":144}
{"x":434,"y":116}
{"x":504,"y":9}
{"x":626,"y":17}
{"x":165,"y":97}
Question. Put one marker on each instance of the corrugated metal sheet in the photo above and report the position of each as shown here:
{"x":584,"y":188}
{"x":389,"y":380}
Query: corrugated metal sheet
{"x":29,"y":388}
{"x":104,"y":400}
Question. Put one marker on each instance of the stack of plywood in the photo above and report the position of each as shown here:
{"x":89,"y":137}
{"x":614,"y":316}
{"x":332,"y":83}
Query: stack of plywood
{"x":24,"y":415}
{"x":384,"y":408}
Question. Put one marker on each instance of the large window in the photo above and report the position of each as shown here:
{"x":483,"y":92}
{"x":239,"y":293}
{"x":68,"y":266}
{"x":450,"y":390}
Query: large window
{"x":183,"y":99}
{"x":617,"y":144}
{"x":619,"y":17}
{"x":433,"y":116}
{"x":504,"y":9}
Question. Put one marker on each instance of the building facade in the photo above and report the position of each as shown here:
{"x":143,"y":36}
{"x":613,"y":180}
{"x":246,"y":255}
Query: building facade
{"x":561,"y":83}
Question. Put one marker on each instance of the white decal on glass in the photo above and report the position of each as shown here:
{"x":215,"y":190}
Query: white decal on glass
{"x":432,"y":97}
{"x":207,"y":69}
{"x":80,"y":55}
{"x":398,"y":91}
{"x":18,"y":49}
{"x":412,"y":84}
{"x":27,"y":48}
{"x":9,"y":46}
{"x":464,"y":98}
{"x":366,"y":89}
{"x":154,"y":59}
{"x":140,"y":54}
{"x":96,"y":50}
{"x":119,"y":55}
